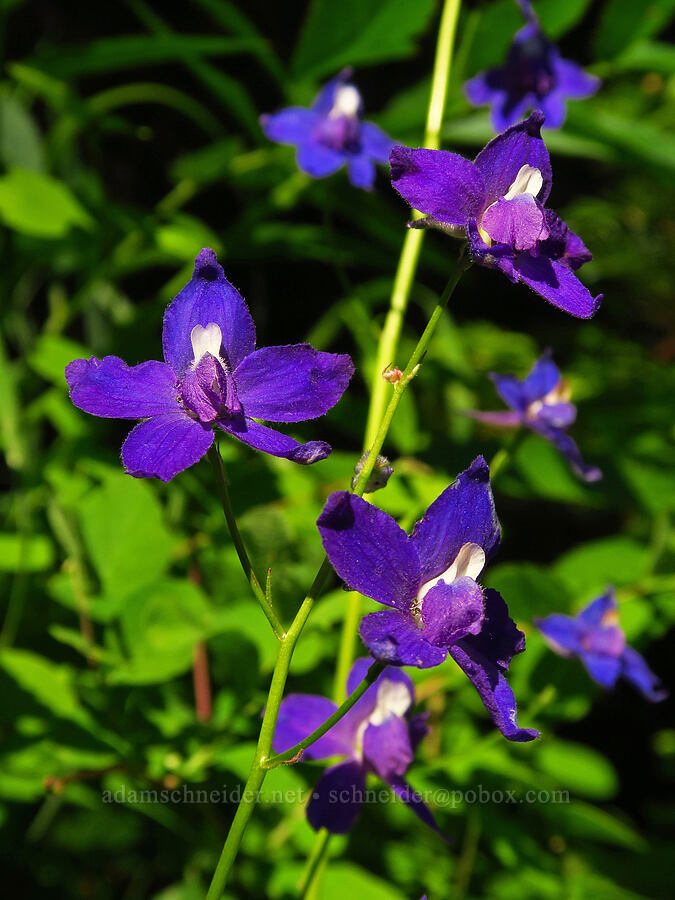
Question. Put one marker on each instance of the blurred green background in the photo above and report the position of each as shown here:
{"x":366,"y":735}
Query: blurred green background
{"x":128,"y":141}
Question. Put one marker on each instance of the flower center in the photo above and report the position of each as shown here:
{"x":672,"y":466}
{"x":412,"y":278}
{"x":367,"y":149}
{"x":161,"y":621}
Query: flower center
{"x":561,"y":393}
{"x":205,"y":340}
{"x":469,"y":562}
{"x":346,"y":102}
{"x":341,"y":128}
{"x":527,"y":184}
{"x":208,"y":389}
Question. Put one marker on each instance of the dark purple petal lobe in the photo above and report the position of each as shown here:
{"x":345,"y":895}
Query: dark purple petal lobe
{"x":519,"y":222}
{"x":501,"y":160}
{"x":375,"y":143}
{"x":291,"y":383}
{"x":451,"y":611}
{"x":573,"y":81}
{"x":165,"y":445}
{"x":597,"y":610}
{"x":563,"y":632}
{"x":636,"y":670}
{"x":318,"y":160}
{"x":110,"y":388}
{"x":269,"y":441}
{"x":556,"y":283}
{"x":337,"y":797}
{"x":569,"y":449}
{"x":207,"y":297}
{"x":368,"y":550}
{"x":603,"y":669}
{"x":510,"y":389}
{"x":542,"y":379}
{"x":414,"y":802}
{"x":464,"y":513}
{"x":440,"y":184}
{"x":394,"y":637}
{"x":361,"y":170}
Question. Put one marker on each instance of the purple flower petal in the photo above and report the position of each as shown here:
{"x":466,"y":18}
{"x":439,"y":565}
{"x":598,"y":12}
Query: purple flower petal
{"x":563,"y":245}
{"x":567,"y":446}
{"x":365,"y":705}
{"x":542,"y":379}
{"x":519,"y":222}
{"x":486,"y":87}
{"x":573,"y":81}
{"x":440,"y":184}
{"x":554,"y":108}
{"x":464,"y":513}
{"x":501,"y":160}
{"x":558,"y":415}
{"x":485,"y":657}
{"x":599,"y":610}
{"x":318,"y":160}
{"x":291,"y":383}
{"x":324,"y":100}
{"x":603,"y":669}
{"x":563,"y":632}
{"x":636,"y":670}
{"x":337,"y":797}
{"x":500,"y":419}
{"x":609,"y":640}
{"x":451,"y":611}
{"x":165,"y":445}
{"x":369,"y":551}
{"x":394,"y":637}
{"x":414,"y":802}
{"x":299,"y":716}
{"x":375,"y":143}
{"x":386,"y":747}
{"x":289,"y":126}
{"x":110,"y":388}
{"x":361,"y":171}
{"x":510,"y":389}
{"x":273,"y":442}
{"x":556,"y":283}
{"x":208,"y":297}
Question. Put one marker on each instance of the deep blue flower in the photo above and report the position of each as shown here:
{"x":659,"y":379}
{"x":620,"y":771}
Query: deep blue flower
{"x":212,"y":376}
{"x":534,"y":76}
{"x":540,"y":402}
{"x":595,"y":637}
{"x":430,"y":581}
{"x":332,"y":133}
{"x":377,"y":735}
{"x":497,"y":202}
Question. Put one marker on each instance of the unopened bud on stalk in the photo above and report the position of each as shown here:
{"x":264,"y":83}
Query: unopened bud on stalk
{"x":379,"y":477}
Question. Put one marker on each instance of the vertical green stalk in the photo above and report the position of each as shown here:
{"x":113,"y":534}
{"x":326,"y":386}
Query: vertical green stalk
{"x":261,"y":596}
{"x":412,"y":243}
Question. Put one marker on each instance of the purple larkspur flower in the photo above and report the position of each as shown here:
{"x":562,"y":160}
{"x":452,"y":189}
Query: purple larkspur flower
{"x":497,"y":202}
{"x":212,"y":376}
{"x":541,"y":402}
{"x":430,"y":580}
{"x":377,"y":735}
{"x":596,"y":638}
{"x":332,"y":133}
{"x":534,"y":76}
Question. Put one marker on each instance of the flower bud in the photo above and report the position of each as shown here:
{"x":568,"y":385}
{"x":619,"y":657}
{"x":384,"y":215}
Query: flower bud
{"x":379,"y":477}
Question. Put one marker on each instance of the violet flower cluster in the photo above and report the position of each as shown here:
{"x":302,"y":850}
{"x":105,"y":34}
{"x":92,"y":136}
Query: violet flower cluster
{"x":212,"y":376}
{"x":596,"y":638}
{"x":429,"y":579}
{"x":332,"y":133}
{"x":379,"y":735}
{"x":541,"y":402}
{"x":534,"y":76}
{"x":498,"y":203}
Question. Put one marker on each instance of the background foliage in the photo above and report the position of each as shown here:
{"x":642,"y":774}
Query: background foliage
{"x":129,"y":140}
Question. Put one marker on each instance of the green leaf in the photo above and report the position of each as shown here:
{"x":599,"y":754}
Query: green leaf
{"x":130,"y":51}
{"x":357,"y":32}
{"x":623,"y":22}
{"x":123,"y":529}
{"x":578,"y":769}
{"x":529,"y":590}
{"x":547,"y":473}
{"x":584,"y":821}
{"x":51,"y":354}
{"x":591,"y":567}
{"x":39,"y":205}
{"x":50,"y":684}
{"x":20,"y":139}
{"x":347,"y":880}
{"x":25,"y":553}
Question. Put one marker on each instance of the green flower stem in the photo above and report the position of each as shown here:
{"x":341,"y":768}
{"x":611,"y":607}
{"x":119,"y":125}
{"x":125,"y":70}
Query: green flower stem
{"x":412,"y":243}
{"x":347,"y":647}
{"x":294,"y":753}
{"x":314,"y":864}
{"x":410,"y":370}
{"x":261,"y":596}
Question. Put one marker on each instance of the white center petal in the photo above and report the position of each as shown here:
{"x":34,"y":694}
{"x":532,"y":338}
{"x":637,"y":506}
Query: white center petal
{"x":393,"y":699}
{"x":346,"y":101}
{"x":469,"y":562}
{"x":528,"y":181}
{"x":205,"y":340}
